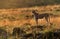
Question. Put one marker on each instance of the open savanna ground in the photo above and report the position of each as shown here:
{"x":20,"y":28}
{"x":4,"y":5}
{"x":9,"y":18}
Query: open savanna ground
{"x":17,"y":17}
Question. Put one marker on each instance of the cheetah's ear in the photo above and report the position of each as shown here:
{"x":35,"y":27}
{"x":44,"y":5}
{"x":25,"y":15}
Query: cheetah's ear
{"x":32,"y":15}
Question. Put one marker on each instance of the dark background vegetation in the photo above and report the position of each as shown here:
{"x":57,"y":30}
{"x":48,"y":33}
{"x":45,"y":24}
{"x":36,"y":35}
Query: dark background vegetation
{"x":26,"y":3}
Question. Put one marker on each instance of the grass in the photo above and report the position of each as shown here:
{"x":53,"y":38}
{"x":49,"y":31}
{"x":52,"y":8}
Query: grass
{"x":17,"y":18}
{"x":28,"y":27}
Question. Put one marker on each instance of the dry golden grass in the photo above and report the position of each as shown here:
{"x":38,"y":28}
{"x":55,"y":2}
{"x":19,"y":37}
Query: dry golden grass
{"x":19,"y":12}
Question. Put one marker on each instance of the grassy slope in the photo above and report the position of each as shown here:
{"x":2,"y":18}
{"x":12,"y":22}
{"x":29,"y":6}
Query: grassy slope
{"x":16,"y":17}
